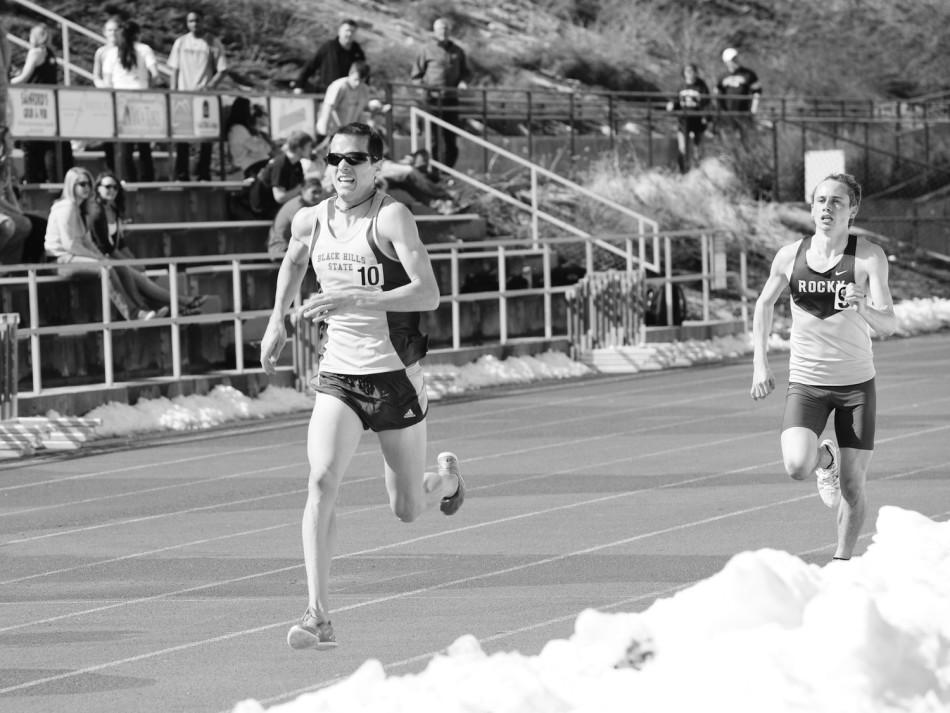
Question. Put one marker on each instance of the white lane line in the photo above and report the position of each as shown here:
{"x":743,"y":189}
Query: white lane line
{"x":423,"y":590}
{"x":284,"y":445}
{"x":363,"y":452}
{"x":147,"y":518}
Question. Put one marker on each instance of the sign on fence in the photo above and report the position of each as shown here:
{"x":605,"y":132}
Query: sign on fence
{"x":32,"y":112}
{"x":141,"y":115}
{"x":86,"y":113}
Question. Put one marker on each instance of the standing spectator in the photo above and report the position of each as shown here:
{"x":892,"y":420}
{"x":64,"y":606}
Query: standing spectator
{"x":39,"y":157}
{"x":692,"y":98}
{"x":279,"y":236}
{"x":68,"y":242}
{"x":131,"y":64}
{"x":345,"y":101}
{"x":197,"y":61}
{"x":109,"y":30}
{"x":249,"y":147}
{"x":442,"y":69}
{"x":738,"y":91}
{"x":281,"y":178}
{"x":106,"y":218}
{"x":332,"y":60}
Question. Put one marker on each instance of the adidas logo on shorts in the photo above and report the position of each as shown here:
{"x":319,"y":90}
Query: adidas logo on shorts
{"x":409,"y":414}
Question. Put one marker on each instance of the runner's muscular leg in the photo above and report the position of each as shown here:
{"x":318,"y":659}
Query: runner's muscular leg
{"x":853,"y":506}
{"x":334,"y":433}
{"x":412,"y":491}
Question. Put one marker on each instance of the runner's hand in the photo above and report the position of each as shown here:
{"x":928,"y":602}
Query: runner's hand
{"x":272,"y":344}
{"x":763,"y":382}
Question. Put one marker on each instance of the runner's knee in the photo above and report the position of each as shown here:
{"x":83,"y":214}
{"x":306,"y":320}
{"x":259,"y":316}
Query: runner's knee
{"x":796,"y":467}
{"x":404,"y":507}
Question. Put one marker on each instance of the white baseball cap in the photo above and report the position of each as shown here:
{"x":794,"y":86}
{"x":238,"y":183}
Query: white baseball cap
{"x":729,"y":54}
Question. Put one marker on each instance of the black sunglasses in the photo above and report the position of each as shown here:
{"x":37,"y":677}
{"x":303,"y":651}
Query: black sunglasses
{"x":108,"y":185}
{"x":354,"y":158}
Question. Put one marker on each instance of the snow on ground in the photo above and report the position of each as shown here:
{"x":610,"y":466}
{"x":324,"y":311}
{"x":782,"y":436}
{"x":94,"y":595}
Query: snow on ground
{"x":226,"y":404}
{"x":766,"y":633}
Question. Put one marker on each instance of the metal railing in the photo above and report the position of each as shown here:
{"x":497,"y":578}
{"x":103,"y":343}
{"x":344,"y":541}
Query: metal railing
{"x":67,"y":28}
{"x":452,"y":261}
{"x":423,"y":137}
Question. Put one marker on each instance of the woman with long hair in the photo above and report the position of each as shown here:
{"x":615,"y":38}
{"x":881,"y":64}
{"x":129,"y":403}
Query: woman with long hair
{"x":250,"y":149}
{"x":39,"y":159}
{"x":69,"y":243}
{"x":106,"y":216}
{"x":131,"y":64}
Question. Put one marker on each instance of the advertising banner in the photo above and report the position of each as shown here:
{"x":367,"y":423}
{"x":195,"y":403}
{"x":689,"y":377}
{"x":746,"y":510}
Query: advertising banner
{"x":291,"y":114}
{"x":195,"y":116}
{"x":32,"y":112}
{"x":141,"y":115}
{"x":86,"y":114}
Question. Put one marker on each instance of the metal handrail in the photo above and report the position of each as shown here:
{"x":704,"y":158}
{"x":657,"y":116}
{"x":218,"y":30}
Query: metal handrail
{"x":542,"y":254}
{"x":67,"y":26}
{"x":644,"y":223}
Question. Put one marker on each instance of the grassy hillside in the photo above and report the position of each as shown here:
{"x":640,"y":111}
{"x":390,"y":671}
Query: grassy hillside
{"x":850,"y":48}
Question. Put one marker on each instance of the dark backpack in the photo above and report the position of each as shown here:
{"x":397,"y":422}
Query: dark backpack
{"x":654,"y":313}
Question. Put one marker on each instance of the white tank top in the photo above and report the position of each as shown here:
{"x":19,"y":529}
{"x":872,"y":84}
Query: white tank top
{"x":362,"y":341}
{"x":830,"y":346}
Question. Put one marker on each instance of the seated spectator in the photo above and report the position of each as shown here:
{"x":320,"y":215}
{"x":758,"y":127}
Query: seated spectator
{"x":482,"y":279}
{"x":21,"y":234}
{"x":40,"y":157}
{"x":566,"y":272}
{"x":281,"y":178}
{"x":14,"y":230}
{"x":105,"y":218}
{"x":520,"y":280}
{"x":279,"y":235}
{"x":250,"y":148}
{"x":414,"y":183}
{"x":345,"y":101}
{"x":131,"y":64}
{"x":69,"y":243}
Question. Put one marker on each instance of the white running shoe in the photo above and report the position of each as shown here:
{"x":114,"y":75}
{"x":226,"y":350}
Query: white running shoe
{"x":829,"y":489}
{"x":449,"y":465}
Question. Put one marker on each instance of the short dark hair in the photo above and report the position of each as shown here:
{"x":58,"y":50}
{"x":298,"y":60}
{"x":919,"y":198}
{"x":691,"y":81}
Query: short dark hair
{"x":362,"y":68}
{"x":298,"y":139}
{"x":374,"y":143}
{"x":349,"y":21}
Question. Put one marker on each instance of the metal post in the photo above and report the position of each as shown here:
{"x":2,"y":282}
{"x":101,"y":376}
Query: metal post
{"x":9,"y":374}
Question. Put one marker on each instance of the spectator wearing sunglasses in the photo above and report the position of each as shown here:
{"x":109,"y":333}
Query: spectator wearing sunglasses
{"x":106,"y":218}
{"x":376,"y":280}
{"x":281,"y":178}
{"x":69,"y":243}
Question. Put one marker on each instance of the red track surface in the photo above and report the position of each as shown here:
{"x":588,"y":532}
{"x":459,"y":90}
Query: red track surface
{"x":163,"y":578}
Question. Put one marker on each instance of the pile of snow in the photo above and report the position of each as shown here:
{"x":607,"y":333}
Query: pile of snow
{"x":226,"y":404}
{"x":767,"y":633}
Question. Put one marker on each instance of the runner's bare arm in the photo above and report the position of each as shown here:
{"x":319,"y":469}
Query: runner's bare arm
{"x":763,"y":381}
{"x":289,"y":278}
{"x":877,"y":305}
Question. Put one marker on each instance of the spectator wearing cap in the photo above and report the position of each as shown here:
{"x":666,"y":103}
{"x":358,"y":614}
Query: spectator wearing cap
{"x":279,"y":235}
{"x":739,"y":87}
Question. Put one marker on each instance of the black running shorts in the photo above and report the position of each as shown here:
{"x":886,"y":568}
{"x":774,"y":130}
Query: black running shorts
{"x":384,"y":401}
{"x":854,"y":408}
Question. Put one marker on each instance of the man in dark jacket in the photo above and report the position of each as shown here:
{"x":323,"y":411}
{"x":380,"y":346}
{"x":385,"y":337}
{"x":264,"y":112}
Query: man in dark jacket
{"x":332,"y":60}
